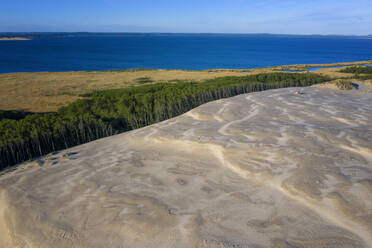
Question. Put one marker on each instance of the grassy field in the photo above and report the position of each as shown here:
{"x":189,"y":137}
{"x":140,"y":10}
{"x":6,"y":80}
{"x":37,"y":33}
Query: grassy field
{"x":48,"y":91}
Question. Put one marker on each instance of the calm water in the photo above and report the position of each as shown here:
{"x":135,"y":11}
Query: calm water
{"x":317,"y":68}
{"x":176,"y":52}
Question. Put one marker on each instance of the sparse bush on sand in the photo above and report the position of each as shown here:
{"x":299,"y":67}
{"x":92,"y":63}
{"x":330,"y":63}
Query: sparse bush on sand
{"x":344,"y":84}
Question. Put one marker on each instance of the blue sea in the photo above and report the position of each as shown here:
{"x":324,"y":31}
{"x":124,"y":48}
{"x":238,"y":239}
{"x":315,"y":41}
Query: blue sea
{"x":189,"y":52}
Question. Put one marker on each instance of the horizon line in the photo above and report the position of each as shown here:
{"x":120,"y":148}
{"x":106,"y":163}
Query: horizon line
{"x":135,"y":32}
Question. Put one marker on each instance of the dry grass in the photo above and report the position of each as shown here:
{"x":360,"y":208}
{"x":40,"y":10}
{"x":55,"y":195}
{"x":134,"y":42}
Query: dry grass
{"x":333,"y":72}
{"x":48,"y":91}
{"x":304,"y":66}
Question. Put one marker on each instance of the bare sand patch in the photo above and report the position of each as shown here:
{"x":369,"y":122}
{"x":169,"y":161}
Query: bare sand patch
{"x":266,"y":169}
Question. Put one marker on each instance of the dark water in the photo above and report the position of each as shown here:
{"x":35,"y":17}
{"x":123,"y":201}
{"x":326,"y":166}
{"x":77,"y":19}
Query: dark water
{"x":192,"y":52}
{"x":293,"y":70}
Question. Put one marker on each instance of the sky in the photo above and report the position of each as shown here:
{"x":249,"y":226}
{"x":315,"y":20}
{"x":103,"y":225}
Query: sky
{"x":351,"y":17}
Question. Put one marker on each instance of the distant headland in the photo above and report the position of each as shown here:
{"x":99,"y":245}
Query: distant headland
{"x":14,"y":38}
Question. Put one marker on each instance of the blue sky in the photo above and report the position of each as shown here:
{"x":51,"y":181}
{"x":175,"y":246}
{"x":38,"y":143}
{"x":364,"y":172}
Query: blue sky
{"x":211,"y":16}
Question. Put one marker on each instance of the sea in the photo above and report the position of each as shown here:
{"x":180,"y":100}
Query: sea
{"x":187,"y":52}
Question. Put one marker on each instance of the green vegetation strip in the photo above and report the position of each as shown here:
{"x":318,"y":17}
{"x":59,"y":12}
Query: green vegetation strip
{"x":14,"y":115}
{"x":108,"y":112}
{"x":358,"y":70}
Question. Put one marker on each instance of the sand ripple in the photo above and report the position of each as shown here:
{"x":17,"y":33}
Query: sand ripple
{"x":268,"y":169}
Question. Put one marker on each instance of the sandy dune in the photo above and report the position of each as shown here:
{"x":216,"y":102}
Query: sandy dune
{"x":268,"y":169}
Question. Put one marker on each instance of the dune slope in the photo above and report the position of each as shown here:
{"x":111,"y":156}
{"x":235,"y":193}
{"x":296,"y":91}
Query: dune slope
{"x":267,"y":169}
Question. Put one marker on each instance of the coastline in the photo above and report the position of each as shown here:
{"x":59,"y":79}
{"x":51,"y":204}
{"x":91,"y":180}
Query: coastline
{"x":273,"y":68}
{"x":48,"y":91}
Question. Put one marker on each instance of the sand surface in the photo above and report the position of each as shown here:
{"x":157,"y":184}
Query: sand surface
{"x":267,"y":169}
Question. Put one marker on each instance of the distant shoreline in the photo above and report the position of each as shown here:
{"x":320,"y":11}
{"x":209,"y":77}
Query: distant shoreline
{"x":31,"y":35}
{"x":14,"y":38}
{"x":290,"y":67}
